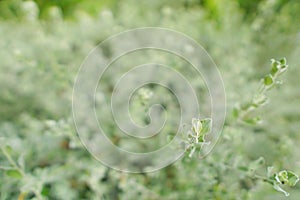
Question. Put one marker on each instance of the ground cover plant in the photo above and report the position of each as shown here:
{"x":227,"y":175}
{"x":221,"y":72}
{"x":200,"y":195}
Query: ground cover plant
{"x":255,"y":44}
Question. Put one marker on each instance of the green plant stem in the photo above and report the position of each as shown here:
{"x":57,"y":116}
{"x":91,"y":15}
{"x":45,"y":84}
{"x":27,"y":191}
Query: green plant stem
{"x":6,"y":168}
{"x":12,"y":162}
{"x":265,"y":179}
{"x":255,"y":176}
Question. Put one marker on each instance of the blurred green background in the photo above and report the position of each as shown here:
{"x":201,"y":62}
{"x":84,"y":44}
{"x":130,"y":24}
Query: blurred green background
{"x":43,"y":44}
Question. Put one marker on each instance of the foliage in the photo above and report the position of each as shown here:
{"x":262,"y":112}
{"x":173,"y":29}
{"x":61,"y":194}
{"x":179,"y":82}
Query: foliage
{"x":41,"y":156}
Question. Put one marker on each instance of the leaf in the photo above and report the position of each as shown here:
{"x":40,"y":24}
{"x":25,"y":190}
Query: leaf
{"x":252,"y":121}
{"x":13,"y":173}
{"x":268,"y":80}
{"x":206,"y":126}
{"x":8,"y":149}
{"x":197,"y":126}
{"x":243,"y":168}
{"x":279,"y":189}
{"x":292,"y":179}
{"x":255,"y":165}
{"x":283,"y":61}
{"x":275,"y":69}
{"x":287,"y":177}
{"x":270,"y":172}
{"x":274,"y":63}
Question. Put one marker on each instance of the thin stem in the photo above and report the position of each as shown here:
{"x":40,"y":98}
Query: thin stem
{"x":12,"y":162}
{"x":6,"y":168}
{"x":265,"y":179}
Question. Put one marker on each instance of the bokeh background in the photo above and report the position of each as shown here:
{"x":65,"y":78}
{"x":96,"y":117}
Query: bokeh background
{"x":43,"y":44}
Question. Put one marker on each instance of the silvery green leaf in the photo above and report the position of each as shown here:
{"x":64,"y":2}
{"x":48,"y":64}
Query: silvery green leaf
{"x":279,"y":189}
{"x":196,"y":125}
{"x":255,"y":165}
{"x":206,"y":126}
{"x":283,"y":68}
{"x":270,"y":171}
{"x":292,"y":178}
{"x":260,"y":100}
{"x":21,"y":161}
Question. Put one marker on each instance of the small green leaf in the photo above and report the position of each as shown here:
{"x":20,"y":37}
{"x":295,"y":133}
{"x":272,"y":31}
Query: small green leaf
{"x":255,"y":165}
{"x":268,"y":80}
{"x":243,"y":168}
{"x":235,"y":112}
{"x":252,"y":121}
{"x":283,"y":61}
{"x":197,"y":126}
{"x":274,"y":69}
{"x":206,"y":126}
{"x":283,"y":68}
{"x":14,"y":173}
{"x":292,"y":179}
